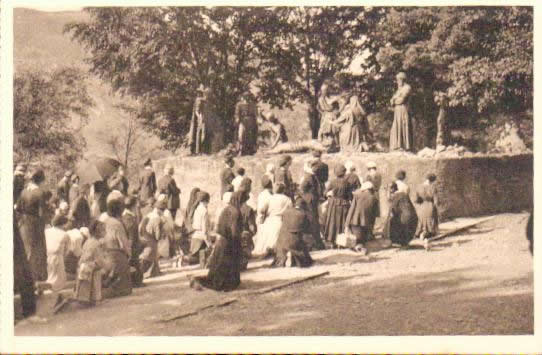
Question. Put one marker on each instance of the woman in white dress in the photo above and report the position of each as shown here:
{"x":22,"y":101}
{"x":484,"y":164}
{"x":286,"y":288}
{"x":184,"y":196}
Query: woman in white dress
{"x":58,"y":242}
{"x":263,"y":200}
{"x":269,"y":232}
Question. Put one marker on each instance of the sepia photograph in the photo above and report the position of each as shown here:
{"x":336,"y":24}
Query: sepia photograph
{"x":272,"y":170}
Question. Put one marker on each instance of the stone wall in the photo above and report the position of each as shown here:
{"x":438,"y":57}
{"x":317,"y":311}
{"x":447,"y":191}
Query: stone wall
{"x":467,"y":186}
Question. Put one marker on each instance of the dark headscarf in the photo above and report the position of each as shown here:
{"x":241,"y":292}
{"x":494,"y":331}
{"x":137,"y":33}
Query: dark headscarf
{"x":200,"y":196}
{"x":237,"y":199}
{"x":266,"y":182}
{"x":340,"y":170}
{"x":246,"y":185}
{"x":190,"y":206}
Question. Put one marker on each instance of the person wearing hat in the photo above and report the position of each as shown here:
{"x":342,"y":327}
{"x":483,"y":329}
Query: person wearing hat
{"x":31,"y":212}
{"x":402,"y":221}
{"x":400,"y":177}
{"x":118,"y":181}
{"x":277,"y":129}
{"x":361,"y":216}
{"x":63,"y":187}
{"x":238,"y":179}
{"x":18,"y":182}
{"x":151,"y":230}
{"x":338,"y":206}
{"x":352,"y":178}
{"x":147,"y":184}
{"x":57,"y":241}
{"x":291,"y":249}
{"x":401,"y":133}
{"x":309,"y":188}
{"x":168,"y":186}
{"x":198,"y":138}
{"x":118,"y":249}
{"x":376,"y":179}
{"x":426,"y":198}
{"x":246,"y":117}
{"x":226,"y":175}
{"x":284,"y":177}
{"x":320,"y":169}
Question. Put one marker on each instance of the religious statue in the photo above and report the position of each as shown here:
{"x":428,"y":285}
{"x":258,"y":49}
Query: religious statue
{"x":328,"y":113}
{"x":401,"y":134}
{"x":197,"y":135}
{"x":246,"y":117}
{"x":353,"y":127}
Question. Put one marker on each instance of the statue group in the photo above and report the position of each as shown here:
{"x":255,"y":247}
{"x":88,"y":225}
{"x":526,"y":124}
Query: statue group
{"x":343,"y":123}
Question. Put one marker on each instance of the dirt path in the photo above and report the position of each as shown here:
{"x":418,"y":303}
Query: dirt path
{"x":478,"y":282}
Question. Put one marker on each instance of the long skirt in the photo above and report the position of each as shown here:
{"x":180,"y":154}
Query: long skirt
{"x":294,"y":244}
{"x":427,"y":219}
{"x":267,"y":236}
{"x":88,"y":289}
{"x":400,"y":230}
{"x":32,"y":232}
{"x":149,"y":258}
{"x":337,"y":211}
{"x":56,"y":272}
{"x":224,"y":266}
{"x":401,"y":133}
{"x":118,"y":281}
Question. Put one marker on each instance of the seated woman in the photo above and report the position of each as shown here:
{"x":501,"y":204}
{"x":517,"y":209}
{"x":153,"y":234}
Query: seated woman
{"x":88,"y":285}
{"x":291,"y":250}
{"x":57,"y":242}
{"x":224,"y":263}
{"x":117,"y":281}
{"x":402,"y":219}
{"x":200,"y":226}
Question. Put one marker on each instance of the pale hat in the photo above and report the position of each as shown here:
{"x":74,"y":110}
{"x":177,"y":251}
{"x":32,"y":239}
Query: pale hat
{"x":349,"y":165}
{"x":367,"y":185}
{"x":371,"y":165}
{"x":84,"y":232}
{"x":115,"y":195}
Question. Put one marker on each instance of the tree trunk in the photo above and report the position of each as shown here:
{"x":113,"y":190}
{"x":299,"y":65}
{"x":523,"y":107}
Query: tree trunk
{"x":314,"y":120}
{"x":442,"y":129}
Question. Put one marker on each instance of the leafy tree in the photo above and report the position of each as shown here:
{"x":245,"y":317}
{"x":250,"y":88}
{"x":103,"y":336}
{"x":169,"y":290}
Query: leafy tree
{"x":49,"y":112}
{"x":311,"y":45}
{"x":160,"y":55}
{"x":475,"y":60}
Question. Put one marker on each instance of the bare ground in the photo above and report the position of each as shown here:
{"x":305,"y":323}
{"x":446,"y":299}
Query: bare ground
{"x":475,"y":283}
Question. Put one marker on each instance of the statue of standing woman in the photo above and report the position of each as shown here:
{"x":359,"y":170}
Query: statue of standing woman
{"x":401,"y":134}
{"x":328,"y":113}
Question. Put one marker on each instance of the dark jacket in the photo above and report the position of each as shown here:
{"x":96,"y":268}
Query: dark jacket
{"x":63,"y":189}
{"x":353,"y":184}
{"x":321,"y":171}
{"x":167,"y":186}
{"x":80,"y":212}
{"x":226,"y":177}
{"x":119,"y":183}
{"x":18,"y":186}
{"x":363,"y":210}
{"x":283,"y":176}
{"x":147,"y":185}
{"x":310,"y":190}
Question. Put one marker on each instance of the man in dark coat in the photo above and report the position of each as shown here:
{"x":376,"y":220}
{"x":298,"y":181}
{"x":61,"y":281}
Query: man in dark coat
{"x":226,"y":176}
{"x":321,"y":170}
{"x":63,"y":187}
{"x":361,"y":216}
{"x":198,"y":137}
{"x":311,"y":194}
{"x":18,"y":182}
{"x":22,"y":275}
{"x":168,"y":187}
{"x":376,"y":179}
{"x":130,"y":222}
{"x":284,"y":177}
{"x":79,"y":214}
{"x":118,"y":181}
{"x":246,"y":113}
{"x":351,"y":178}
{"x":147,"y":184}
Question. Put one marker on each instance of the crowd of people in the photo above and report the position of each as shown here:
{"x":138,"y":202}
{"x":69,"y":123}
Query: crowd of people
{"x":109,"y":237}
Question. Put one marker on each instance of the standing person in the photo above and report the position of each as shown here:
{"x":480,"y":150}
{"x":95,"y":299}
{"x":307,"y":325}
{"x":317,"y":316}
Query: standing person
{"x":74,"y":189}
{"x":201,"y":230}
{"x":99,"y":200}
{"x":375,"y":178}
{"x":352,"y":178}
{"x":291,"y":249}
{"x":79,"y":214}
{"x":327,"y":116}
{"x":400,"y":181}
{"x":246,"y":113}
{"x":57,"y":240}
{"x":31,"y":209}
{"x":362,"y":215}
{"x":321,"y":170}
{"x":187,"y":229}
{"x":353,"y":126}
{"x":338,"y":206}
{"x":167,"y":186}
{"x":117,"y":246}
{"x":426,"y":197}
{"x":248,"y":228}
{"x":227,"y":175}
{"x":147,"y":184}
{"x":18,"y":182}
{"x":224,"y":263}
{"x":238,"y":179}
{"x":262,"y":210}
{"x":267,"y":235}
{"x":198,"y":140}
{"x":402,"y":220}
{"x":150,"y":232}
{"x":401,"y":134}
{"x":284,"y":177}
{"x":130,"y":222}
{"x":118,"y":181}
{"x":63,"y":187}
{"x":23,"y":281}
{"x":311,"y":193}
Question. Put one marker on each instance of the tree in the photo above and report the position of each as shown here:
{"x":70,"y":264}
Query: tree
{"x":49,"y":111}
{"x":475,"y":59}
{"x":310,"y":45}
{"x":160,"y":55}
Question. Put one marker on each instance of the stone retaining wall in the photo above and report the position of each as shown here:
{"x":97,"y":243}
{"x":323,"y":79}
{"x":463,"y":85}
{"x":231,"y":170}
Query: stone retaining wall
{"x":467,"y":186}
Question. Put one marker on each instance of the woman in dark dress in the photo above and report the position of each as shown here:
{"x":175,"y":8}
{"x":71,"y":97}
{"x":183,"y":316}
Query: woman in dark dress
{"x":402,"y":220}
{"x":224,"y":262}
{"x":290,"y":249}
{"x":248,"y":229}
{"x":31,"y":208}
{"x":338,"y":206}
{"x":427,"y":213}
{"x":187,"y":220}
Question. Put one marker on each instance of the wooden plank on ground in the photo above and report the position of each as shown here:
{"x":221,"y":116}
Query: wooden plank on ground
{"x":170,"y":318}
{"x":288,"y":283}
{"x":459,"y":229}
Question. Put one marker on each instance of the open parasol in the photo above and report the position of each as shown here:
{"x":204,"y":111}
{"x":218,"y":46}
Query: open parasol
{"x":96,"y":169}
